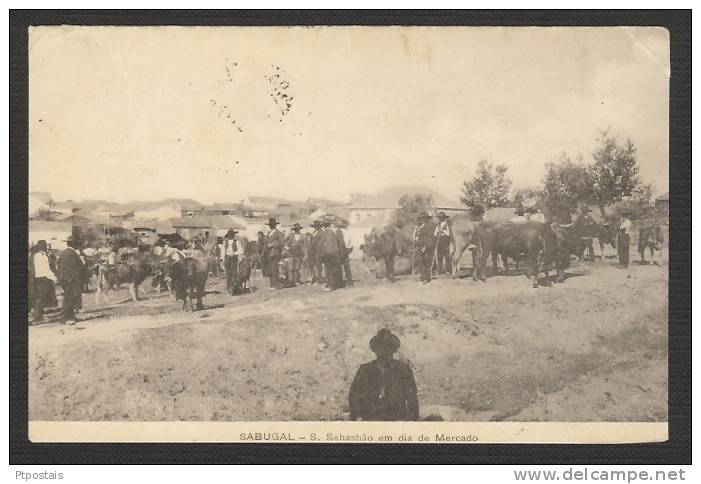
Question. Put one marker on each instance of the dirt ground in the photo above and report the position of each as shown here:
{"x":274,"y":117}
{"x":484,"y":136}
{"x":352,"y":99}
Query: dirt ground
{"x":593,"y":348}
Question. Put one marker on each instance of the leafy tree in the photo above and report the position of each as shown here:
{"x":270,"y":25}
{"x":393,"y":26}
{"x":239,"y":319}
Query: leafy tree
{"x":615,"y":170}
{"x":410,"y":206}
{"x":488,"y":189}
{"x":565,"y":183}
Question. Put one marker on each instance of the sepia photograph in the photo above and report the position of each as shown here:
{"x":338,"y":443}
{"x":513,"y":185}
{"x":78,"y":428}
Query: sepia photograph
{"x":348,"y":234}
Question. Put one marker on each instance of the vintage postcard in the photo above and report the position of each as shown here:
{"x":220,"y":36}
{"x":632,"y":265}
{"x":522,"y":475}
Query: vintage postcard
{"x":348,"y":234}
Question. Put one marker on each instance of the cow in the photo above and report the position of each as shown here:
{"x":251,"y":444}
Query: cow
{"x":607,"y":233}
{"x":650,"y":237}
{"x":463,"y":232}
{"x":538,"y":243}
{"x":110,"y":277}
{"x":243,"y":276}
{"x":383,"y":244}
{"x":188,"y":279}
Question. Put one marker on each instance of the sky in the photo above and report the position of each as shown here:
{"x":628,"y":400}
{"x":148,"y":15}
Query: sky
{"x":220,"y":113}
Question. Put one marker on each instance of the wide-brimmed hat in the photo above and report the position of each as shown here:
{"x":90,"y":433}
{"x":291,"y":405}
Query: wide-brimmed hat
{"x":585,"y":209}
{"x":231,"y":233}
{"x":316,"y":223}
{"x":424,"y":216}
{"x":384,"y":342}
{"x":272,"y":222}
{"x":296,"y":227}
{"x":442,"y":215}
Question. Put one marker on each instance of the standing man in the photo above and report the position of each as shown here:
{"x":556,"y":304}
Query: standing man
{"x":346,"y":251}
{"x":274,"y":243}
{"x":624,"y":239}
{"x":216,"y":255}
{"x":71,"y":278}
{"x":336,"y":228}
{"x":425,"y":246}
{"x":584,"y":226}
{"x":296,"y":248}
{"x":444,"y":234}
{"x":330,"y":256}
{"x":44,"y":292}
{"x":231,"y":259}
{"x":315,"y":253}
{"x":262,"y":260}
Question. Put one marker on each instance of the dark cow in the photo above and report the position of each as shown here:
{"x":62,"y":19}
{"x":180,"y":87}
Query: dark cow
{"x":188,"y":279}
{"x":133,"y":272}
{"x":607,"y":233}
{"x":243,"y":276}
{"x":650,"y":237}
{"x":463,"y":230}
{"x":539,"y":244}
{"x":383,"y":244}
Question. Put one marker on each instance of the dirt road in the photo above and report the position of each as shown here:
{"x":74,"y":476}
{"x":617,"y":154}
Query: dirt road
{"x":590,"y":349}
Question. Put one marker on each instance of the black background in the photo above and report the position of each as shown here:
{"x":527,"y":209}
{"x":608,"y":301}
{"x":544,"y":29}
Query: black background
{"x":675,"y":451}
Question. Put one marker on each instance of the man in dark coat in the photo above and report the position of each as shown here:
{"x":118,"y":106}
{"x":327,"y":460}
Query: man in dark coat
{"x":342,"y":255}
{"x":71,"y":278}
{"x":329,"y":251}
{"x":295,"y":244}
{"x":314,"y":253}
{"x":262,"y":258}
{"x":443,"y":232}
{"x":274,"y":243}
{"x":425,"y":246}
{"x":584,"y":227}
{"x":231,"y":259}
{"x":384,"y":389}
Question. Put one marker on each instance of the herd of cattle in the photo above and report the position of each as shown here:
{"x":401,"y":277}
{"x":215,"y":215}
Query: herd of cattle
{"x":540,"y":247}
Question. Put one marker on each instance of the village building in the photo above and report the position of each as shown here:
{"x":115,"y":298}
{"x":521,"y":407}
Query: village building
{"x":190,"y":227}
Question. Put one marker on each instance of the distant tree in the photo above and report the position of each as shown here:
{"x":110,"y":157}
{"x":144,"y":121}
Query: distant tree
{"x":639,"y":204}
{"x":615,"y":171}
{"x":565,"y":183}
{"x":410,"y":206}
{"x":488,"y":189}
{"x":527,"y":197}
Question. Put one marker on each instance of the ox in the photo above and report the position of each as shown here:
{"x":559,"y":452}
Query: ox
{"x":463,"y":230}
{"x":383,"y":244}
{"x":607,"y":233}
{"x":188,"y":279}
{"x":650,"y":238}
{"x":133,"y":273}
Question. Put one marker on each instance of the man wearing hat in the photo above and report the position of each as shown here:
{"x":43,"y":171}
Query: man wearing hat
{"x":384,"y":389}
{"x":624,"y":239}
{"x":262,"y":260}
{"x":314,"y":252}
{"x":71,"y":278}
{"x":231,"y":259}
{"x":42,"y":279}
{"x":425,"y":246}
{"x":584,"y":228}
{"x":329,"y":250}
{"x":296,"y":248}
{"x":444,"y":235}
{"x":274,"y":244}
